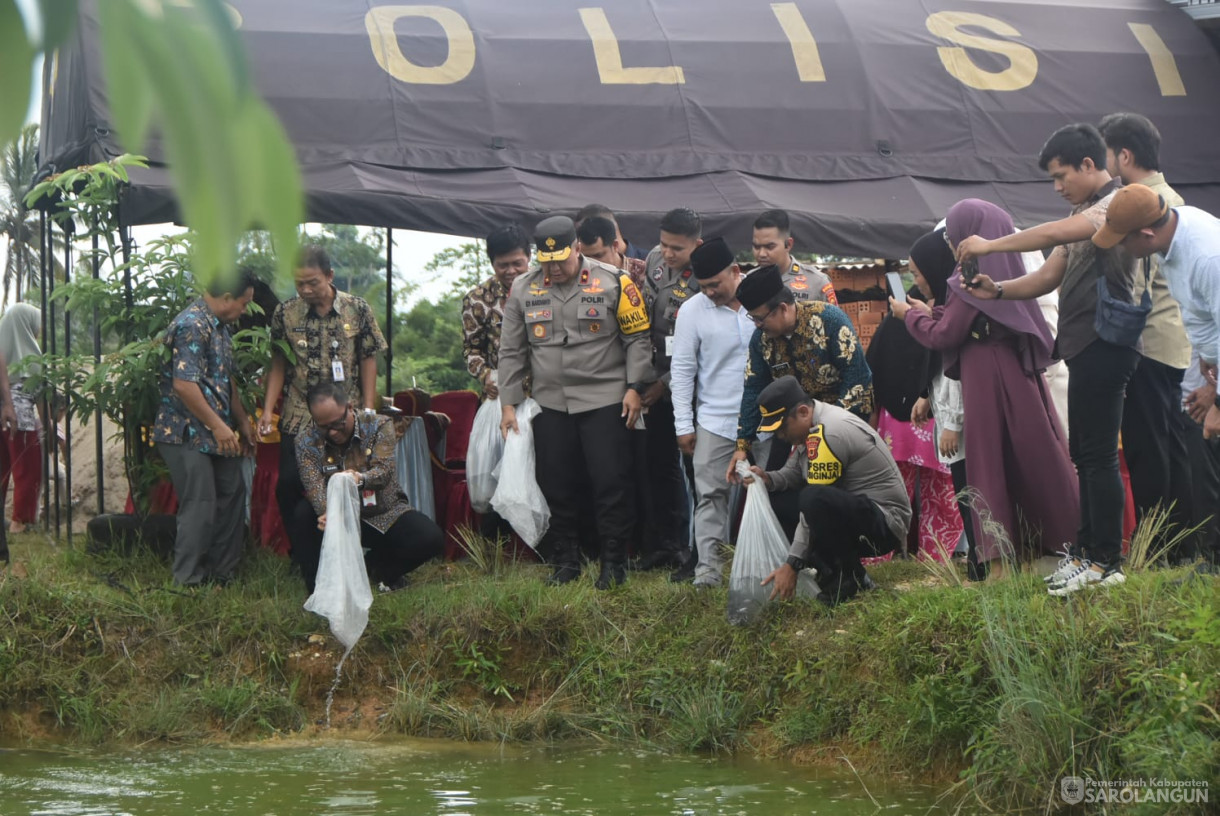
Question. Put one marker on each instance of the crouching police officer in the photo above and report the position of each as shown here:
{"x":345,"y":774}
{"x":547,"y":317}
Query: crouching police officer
{"x":853,"y":504}
{"x":580,"y":328}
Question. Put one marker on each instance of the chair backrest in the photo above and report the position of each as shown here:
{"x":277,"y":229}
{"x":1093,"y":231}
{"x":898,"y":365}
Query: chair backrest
{"x":412,"y":402}
{"x":460,"y":406}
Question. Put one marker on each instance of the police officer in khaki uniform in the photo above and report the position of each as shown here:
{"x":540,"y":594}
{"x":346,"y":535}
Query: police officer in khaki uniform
{"x":773,"y":245}
{"x":581,"y":329}
{"x":669,"y":284}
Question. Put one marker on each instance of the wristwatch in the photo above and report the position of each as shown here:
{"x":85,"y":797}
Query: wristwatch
{"x":638,"y":387}
{"x":744,"y":445}
{"x":796,"y":562}
{"x":999,"y":291}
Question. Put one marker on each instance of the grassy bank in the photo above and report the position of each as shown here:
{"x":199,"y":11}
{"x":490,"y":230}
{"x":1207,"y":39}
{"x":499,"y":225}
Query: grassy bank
{"x":1000,"y":688}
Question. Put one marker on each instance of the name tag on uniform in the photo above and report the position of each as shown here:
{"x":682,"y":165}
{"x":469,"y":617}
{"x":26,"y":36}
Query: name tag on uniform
{"x":336,"y":370}
{"x":368,"y":498}
{"x":669,"y":346}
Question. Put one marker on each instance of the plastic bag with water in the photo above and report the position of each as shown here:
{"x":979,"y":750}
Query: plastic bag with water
{"x":518,"y":499}
{"x":341,"y":593}
{"x":761,"y":548}
{"x":483,"y":455}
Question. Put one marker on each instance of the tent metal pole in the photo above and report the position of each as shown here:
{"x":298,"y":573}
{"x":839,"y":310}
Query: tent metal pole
{"x":129,"y":303}
{"x":54,"y":431}
{"x":389,"y":312}
{"x":67,"y":424}
{"x":97,"y":361}
{"x":44,"y":252}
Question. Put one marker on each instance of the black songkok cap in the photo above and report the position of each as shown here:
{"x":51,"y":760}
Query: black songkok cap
{"x":711,"y":258}
{"x":760,"y":286}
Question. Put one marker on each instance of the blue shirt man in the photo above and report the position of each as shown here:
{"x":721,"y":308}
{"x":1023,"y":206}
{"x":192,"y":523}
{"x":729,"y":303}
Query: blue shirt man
{"x":196,"y":430}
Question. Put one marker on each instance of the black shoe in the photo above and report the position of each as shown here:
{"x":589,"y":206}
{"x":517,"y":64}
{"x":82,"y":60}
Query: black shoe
{"x":837,"y":588}
{"x":612,"y":575}
{"x":563,"y":574}
{"x":683,"y":575}
{"x":657,"y":560}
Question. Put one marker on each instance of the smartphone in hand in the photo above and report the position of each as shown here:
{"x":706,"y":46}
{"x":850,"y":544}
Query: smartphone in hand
{"x":895,"y":281}
{"x":970,"y":271}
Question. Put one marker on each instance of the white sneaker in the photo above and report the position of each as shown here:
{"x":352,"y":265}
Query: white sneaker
{"x":1087,"y":578}
{"x":1066,"y":566}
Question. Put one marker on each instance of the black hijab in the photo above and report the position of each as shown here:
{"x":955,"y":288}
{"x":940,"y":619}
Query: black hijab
{"x":936,"y":263}
{"x":902,"y":368}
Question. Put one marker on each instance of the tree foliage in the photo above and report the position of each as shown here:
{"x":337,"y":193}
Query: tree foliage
{"x":19,"y":225}
{"x":125,"y":383}
{"x":181,"y":68}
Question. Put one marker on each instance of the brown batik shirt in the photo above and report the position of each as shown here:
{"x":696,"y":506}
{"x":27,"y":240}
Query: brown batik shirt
{"x":370,"y":452}
{"x":347,"y":333}
{"x":482,"y":316}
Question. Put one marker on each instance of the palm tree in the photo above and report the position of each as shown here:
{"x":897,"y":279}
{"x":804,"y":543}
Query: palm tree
{"x":19,"y":226}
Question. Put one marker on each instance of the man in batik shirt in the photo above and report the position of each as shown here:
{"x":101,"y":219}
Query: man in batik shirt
{"x":508,"y":249}
{"x":813,"y":341}
{"x":197,"y":431}
{"x":334,"y":338}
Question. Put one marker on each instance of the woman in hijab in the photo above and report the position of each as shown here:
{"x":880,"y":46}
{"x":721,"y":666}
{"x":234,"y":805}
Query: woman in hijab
{"x":20,"y":448}
{"x":944,"y":401}
{"x":902,"y":376}
{"x":1016,"y":452}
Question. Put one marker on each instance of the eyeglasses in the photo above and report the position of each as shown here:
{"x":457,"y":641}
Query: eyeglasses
{"x":758,"y":321}
{"x":338,"y":425}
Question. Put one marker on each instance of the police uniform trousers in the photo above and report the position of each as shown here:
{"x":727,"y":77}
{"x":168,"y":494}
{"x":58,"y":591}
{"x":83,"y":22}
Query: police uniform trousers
{"x":570,"y":449}
{"x":412,"y":540}
{"x":843,"y":528}
{"x":668,"y":520}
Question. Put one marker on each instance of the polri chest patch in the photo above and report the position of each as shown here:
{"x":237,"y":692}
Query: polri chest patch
{"x":824,"y":467}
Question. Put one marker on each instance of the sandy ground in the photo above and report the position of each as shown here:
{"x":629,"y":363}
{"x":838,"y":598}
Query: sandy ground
{"x":84,"y":477}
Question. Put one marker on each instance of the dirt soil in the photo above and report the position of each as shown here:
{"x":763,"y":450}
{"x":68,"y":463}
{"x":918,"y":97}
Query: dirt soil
{"x":84,"y":470}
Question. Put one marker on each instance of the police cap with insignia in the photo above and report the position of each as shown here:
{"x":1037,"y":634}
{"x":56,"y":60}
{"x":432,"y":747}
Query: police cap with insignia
{"x":711,"y":258}
{"x":778,"y":399}
{"x":760,"y":286}
{"x":554,"y":238}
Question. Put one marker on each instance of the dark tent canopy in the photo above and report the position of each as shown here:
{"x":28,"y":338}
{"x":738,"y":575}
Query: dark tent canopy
{"x":865,"y":119}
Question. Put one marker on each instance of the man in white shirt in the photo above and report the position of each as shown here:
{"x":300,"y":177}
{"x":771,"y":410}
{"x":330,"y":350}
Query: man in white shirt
{"x":707,"y":375}
{"x":1186,"y":241}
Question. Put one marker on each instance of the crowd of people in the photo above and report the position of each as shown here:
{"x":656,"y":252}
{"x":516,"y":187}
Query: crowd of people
{"x":658,"y":373}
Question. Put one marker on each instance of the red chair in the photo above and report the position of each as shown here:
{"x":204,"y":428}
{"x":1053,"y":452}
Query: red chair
{"x":449,"y":467}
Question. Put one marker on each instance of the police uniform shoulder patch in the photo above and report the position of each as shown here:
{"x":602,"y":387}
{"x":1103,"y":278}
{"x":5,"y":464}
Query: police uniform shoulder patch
{"x":824,"y":467}
{"x":631,"y":313}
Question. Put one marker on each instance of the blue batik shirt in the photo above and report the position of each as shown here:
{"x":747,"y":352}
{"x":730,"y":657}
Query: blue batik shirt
{"x":202,"y":353}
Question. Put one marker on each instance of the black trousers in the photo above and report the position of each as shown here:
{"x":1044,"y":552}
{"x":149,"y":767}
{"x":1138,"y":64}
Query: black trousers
{"x":666,"y":507}
{"x":787,"y":503}
{"x":570,"y":448}
{"x":958,"y":471}
{"x":1155,"y":441}
{"x":843,"y":528}
{"x":411,"y":540}
{"x":1097,"y":381}
{"x":1205,"y":481}
{"x":300,"y":521}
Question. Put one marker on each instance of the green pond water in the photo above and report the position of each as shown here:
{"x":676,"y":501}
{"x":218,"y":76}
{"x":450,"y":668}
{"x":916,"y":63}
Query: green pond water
{"x":431,"y":777}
